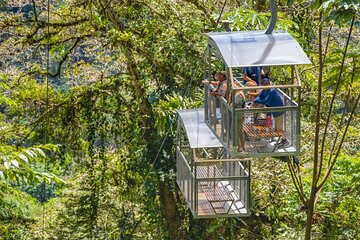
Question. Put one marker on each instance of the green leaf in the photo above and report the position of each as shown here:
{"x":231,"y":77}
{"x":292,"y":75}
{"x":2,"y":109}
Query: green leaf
{"x":7,"y":165}
{"x":24,"y":158}
{"x":30,"y":153}
{"x":41,"y":152}
{"x":15,"y":163}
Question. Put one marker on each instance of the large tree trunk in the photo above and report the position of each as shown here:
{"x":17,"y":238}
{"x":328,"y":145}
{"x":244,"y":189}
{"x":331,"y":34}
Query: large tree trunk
{"x":171,"y":213}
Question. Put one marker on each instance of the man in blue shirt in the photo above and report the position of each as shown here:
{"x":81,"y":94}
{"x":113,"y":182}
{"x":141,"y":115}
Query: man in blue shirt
{"x":271,"y":98}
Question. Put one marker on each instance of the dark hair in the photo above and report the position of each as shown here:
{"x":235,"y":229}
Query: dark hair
{"x":265,"y":79}
{"x":213,"y":74}
{"x":265,"y":75}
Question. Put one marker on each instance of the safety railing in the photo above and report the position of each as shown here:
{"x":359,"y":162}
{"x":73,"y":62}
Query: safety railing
{"x":256,"y":131}
{"x":214,"y":187}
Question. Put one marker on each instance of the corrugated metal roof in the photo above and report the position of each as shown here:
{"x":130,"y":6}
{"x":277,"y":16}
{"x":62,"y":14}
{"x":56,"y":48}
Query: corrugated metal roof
{"x":254,"y":48}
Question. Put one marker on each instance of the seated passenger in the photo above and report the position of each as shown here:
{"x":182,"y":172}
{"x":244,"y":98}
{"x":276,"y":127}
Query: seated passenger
{"x":271,"y":98}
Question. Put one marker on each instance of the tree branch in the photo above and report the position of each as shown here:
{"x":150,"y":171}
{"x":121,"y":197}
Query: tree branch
{"x":327,"y":174}
{"x":333,"y":98}
{"x":343,"y":115}
{"x":35,"y":13}
{"x":203,"y":9}
{"x":296,"y":183}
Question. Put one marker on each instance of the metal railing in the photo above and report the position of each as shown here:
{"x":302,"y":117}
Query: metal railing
{"x":223,"y":119}
{"x":231,"y":176}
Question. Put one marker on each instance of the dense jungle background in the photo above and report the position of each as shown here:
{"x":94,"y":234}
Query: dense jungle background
{"x":88,"y":96}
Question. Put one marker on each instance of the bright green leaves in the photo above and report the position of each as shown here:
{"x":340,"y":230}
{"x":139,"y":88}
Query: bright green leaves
{"x":18,"y":164}
{"x":246,"y":19}
{"x":165,"y":111}
{"x":342,"y":11}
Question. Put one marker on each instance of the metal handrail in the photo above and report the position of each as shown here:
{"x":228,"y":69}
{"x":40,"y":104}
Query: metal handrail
{"x":183,"y":158}
{"x":267,"y":87}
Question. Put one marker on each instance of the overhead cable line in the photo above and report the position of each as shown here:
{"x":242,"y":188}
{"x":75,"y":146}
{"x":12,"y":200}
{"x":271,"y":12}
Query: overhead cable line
{"x":46,"y":110}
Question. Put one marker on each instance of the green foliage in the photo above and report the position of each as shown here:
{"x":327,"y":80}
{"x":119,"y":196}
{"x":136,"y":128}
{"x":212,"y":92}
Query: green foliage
{"x":165,"y":111}
{"x":16,"y":164}
{"x":340,"y":203}
{"x":342,"y":11}
{"x":17,"y":212}
{"x":247,"y":19}
{"x":115,"y":85}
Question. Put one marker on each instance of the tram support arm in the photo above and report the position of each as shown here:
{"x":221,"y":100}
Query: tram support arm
{"x":273,"y":19}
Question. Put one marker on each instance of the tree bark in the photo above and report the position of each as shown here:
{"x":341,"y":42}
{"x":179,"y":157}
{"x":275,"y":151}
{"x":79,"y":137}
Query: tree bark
{"x":311,"y":203}
{"x":309,"y":215}
{"x":171,"y":213}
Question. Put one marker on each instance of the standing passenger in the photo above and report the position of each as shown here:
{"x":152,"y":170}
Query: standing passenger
{"x":251,"y":77}
{"x":220,"y":90}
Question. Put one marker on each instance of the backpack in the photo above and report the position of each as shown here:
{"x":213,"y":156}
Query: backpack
{"x":260,"y":119}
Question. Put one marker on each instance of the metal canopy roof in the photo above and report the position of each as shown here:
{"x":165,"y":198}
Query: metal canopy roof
{"x":254,"y":48}
{"x":198,"y":133}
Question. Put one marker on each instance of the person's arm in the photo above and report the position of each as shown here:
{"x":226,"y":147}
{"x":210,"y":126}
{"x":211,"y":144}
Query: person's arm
{"x":214,"y":93}
{"x":214,"y":83}
{"x":248,"y":79}
{"x":205,"y":81}
{"x":255,"y":94}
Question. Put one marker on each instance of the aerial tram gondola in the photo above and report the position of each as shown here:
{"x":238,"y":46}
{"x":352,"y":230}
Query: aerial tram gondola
{"x":212,"y":174}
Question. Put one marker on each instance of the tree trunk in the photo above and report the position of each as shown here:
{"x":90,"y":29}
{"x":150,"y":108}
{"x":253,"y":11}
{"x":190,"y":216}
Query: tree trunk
{"x":311,"y":203}
{"x":171,"y":213}
{"x":309,"y":215}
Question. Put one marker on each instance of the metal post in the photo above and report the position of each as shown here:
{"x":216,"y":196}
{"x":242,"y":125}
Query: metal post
{"x":195,"y":185}
{"x":292,"y":112}
{"x":298,"y":127}
{"x":249,"y":192}
{"x":234,"y":127}
{"x":206,"y":75}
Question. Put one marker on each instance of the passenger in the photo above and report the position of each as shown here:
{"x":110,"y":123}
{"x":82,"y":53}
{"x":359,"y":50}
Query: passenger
{"x":251,"y":77}
{"x":271,"y":98}
{"x":221,"y":88}
{"x":239,"y":102}
{"x":213,"y":83}
{"x":258,"y":93}
{"x":217,"y":88}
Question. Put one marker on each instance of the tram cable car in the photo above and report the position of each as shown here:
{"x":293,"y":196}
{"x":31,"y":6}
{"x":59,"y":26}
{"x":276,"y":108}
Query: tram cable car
{"x":212,"y":174}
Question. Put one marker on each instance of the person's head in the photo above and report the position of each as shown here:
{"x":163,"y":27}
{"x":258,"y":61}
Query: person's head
{"x":220,"y":76}
{"x":264,"y":76}
{"x":265,"y":81}
{"x":213,"y":75}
